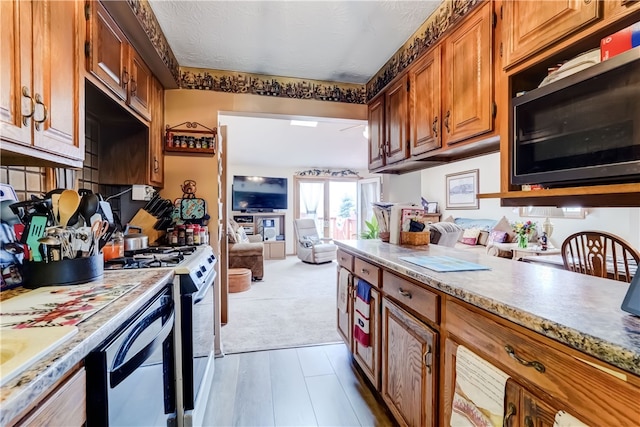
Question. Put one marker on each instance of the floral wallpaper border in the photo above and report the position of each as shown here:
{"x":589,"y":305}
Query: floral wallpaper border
{"x":443,"y":18}
{"x":327,"y":172}
{"x":147,"y":19}
{"x":259,"y":84}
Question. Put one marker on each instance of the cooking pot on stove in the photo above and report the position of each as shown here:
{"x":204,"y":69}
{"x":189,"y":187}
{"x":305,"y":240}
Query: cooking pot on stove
{"x":135,"y":241}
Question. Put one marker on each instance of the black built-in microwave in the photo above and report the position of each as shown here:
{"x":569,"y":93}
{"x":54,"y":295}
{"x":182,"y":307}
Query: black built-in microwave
{"x":581,"y":130}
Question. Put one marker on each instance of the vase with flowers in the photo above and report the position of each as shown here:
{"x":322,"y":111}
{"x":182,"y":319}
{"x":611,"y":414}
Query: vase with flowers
{"x":523,"y":231}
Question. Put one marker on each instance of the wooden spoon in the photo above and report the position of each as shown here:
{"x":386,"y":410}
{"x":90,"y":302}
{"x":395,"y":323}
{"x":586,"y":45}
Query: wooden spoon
{"x":67,"y":205}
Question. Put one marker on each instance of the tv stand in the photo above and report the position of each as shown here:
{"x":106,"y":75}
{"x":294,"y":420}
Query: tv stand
{"x":273,"y":238}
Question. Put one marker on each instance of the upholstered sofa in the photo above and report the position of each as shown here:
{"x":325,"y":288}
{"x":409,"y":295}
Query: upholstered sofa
{"x":480,"y":235}
{"x":245,"y":251}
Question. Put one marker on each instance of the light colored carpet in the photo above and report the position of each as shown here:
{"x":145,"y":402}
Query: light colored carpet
{"x":294,"y":305}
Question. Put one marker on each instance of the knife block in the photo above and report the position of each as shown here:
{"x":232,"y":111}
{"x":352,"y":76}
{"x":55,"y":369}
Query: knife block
{"x":146,"y":221}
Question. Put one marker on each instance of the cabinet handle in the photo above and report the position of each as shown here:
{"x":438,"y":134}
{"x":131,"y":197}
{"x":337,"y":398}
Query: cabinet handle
{"x":25,"y":93}
{"x":511,"y":411}
{"x":156,"y":164}
{"x":125,"y":76}
{"x":44,"y":110}
{"x":435,"y":127}
{"x":428,"y":358}
{"x":534,"y":364}
{"x":528,"y":421}
{"x":364,"y":271}
{"x":404,"y":293}
{"x":134,"y":87}
{"x":446,"y":121}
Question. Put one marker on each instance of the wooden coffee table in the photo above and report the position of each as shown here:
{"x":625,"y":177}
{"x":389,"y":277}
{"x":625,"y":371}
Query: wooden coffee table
{"x":519,"y":253}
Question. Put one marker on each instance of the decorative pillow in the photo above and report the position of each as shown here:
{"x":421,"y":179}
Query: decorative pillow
{"x":241,"y":235}
{"x":309,"y":241}
{"x":483,"y":238}
{"x":470,"y":236}
{"x":231,"y":233}
{"x":505,"y":225}
{"x":444,"y":233}
{"x":498,"y":236}
{"x":448,"y":219}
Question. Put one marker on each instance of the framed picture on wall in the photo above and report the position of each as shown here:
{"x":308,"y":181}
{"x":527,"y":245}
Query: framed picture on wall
{"x":462,"y":190}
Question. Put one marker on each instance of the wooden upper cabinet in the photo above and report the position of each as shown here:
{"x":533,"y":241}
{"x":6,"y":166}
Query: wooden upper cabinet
{"x":156,"y":135}
{"x":41,"y":105}
{"x":113,"y":60}
{"x":15,"y":72}
{"x":424,"y":103}
{"x":56,"y":78}
{"x":108,"y":53}
{"x":409,"y":365}
{"x":397,"y":121}
{"x":139,"y":85}
{"x":468,"y":98}
{"x":377,"y":135}
{"x":533,"y":25}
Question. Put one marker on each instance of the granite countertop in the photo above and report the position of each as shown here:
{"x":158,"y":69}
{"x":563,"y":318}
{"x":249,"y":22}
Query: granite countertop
{"x":580,"y":311}
{"x":37,"y":379}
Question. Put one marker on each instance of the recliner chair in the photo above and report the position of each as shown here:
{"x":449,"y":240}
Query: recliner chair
{"x":310,"y":247}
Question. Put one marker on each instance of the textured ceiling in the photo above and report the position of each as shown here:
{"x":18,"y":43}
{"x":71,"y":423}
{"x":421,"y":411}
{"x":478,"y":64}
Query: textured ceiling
{"x":342,"y":41}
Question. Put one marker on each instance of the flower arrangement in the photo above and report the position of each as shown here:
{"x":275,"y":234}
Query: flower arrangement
{"x":523,"y":231}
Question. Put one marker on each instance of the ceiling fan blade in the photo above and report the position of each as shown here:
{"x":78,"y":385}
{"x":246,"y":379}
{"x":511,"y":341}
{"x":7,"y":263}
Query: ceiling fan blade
{"x":350,"y":127}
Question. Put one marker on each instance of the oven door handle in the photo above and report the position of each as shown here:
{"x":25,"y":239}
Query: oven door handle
{"x":120,"y":370}
{"x":203,"y":291}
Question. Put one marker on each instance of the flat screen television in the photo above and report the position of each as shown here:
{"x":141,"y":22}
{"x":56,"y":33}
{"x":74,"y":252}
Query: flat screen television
{"x":258,"y":193}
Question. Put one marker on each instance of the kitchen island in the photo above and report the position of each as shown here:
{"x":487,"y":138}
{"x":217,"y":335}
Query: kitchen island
{"x":560,"y":336}
{"x":22,"y":393}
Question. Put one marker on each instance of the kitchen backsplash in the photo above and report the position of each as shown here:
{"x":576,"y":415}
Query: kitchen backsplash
{"x":25,"y":180}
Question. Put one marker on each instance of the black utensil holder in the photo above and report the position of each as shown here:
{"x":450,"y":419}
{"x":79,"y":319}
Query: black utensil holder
{"x":65,"y":272}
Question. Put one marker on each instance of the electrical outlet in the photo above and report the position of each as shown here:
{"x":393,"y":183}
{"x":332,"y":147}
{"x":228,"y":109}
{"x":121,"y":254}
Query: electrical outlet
{"x":142,"y":192}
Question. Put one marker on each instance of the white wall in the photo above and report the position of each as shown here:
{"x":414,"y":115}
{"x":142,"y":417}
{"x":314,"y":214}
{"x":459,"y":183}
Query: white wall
{"x":430,"y":183}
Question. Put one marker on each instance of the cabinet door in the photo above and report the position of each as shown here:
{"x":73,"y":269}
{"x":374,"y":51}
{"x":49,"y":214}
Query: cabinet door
{"x":397,"y":121}
{"x":139,"y":85}
{"x":468,"y":100}
{"x":376,"y":133}
{"x":424,"y":103}
{"x":408,"y":367}
{"x":369,"y":357}
{"x":108,"y":54}
{"x":56,"y":78}
{"x":532,"y":25}
{"x":345,"y":320}
{"x":15,"y":72}
{"x":156,"y":135}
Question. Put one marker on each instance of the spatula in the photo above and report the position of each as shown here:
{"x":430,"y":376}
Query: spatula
{"x":37,"y":229}
{"x":67,"y":205}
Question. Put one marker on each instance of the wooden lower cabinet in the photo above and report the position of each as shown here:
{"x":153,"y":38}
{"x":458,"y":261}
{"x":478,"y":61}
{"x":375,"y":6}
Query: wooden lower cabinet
{"x":65,"y":406}
{"x":344,"y":320}
{"x":409,"y":364}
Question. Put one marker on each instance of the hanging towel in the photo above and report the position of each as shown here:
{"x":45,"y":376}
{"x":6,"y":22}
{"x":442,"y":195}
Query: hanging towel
{"x":362,"y":313}
{"x":343,"y":289}
{"x":564,"y":419}
{"x":479,"y":393}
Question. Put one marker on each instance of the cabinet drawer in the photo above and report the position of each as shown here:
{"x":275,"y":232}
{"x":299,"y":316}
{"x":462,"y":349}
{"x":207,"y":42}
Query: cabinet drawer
{"x":367,"y":271}
{"x":417,"y":298}
{"x":345,"y":260}
{"x":577,"y":387}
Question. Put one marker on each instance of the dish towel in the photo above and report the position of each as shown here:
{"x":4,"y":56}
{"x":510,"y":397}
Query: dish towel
{"x":564,"y":419}
{"x":343,"y":289}
{"x":362,"y":313}
{"x":479,"y":394}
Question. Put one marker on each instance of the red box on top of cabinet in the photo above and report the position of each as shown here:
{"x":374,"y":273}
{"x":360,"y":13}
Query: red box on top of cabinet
{"x":619,"y":42}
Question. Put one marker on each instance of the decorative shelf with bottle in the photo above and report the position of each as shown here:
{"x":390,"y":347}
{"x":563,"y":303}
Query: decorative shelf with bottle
{"x":191,"y":138}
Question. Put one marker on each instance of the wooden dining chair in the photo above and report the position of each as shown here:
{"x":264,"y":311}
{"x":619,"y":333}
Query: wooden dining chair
{"x":601,"y":254}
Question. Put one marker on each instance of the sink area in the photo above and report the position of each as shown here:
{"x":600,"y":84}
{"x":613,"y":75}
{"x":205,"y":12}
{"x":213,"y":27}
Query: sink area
{"x":20,"y":348}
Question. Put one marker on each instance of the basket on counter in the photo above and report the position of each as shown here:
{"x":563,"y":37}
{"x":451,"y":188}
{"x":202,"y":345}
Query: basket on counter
{"x":414,"y":237}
